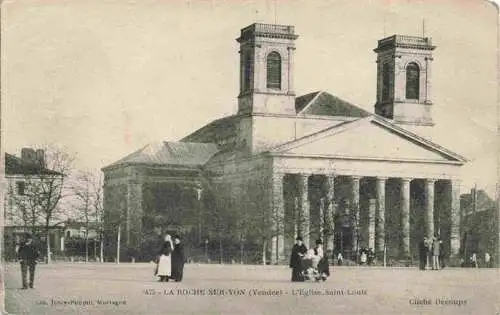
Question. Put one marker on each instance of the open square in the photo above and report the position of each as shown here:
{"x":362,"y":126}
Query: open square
{"x":243,"y":289}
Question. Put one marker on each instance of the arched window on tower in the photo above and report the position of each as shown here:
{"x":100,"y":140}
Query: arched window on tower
{"x":412,"y":81}
{"x":274,"y":70}
{"x":247,"y":72}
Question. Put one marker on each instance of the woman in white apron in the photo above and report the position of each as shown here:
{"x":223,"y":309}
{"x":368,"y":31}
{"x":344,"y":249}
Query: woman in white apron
{"x":165,"y":260}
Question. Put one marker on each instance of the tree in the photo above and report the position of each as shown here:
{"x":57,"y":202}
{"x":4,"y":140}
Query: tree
{"x":26,"y":211}
{"x":87,"y":190}
{"x":355,"y":230}
{"x":45,"y":186}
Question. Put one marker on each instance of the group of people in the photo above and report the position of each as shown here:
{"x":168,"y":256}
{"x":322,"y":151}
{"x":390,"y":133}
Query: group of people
{"x":430,"y":253}
{"x":366,"y":256}
{"x":474,"y":261}
{"x":306,"y":263}
{"x":170,"y":260}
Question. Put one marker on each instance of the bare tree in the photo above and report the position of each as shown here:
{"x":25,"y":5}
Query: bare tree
{"x":26,"y":211}
{"x":44,"y":189}
{"x":87,"y":190}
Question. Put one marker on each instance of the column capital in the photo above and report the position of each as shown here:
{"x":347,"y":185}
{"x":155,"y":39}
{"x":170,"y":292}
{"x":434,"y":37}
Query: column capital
{"x":430,"y":180}
{"x":382,"y":178}
{"x":406,"y":179}
{"x":304,"y":174}
{"x":278,"y":174}
{"x":355,"y":177}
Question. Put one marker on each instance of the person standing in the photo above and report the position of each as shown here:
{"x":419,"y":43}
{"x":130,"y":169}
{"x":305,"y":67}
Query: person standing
{"x":473,"y":260}
{"x":178,"y":260}
{"x":340,"y":259}
{"x":436,"y":248}
{"x":323,"y":264}
{"x":363,"y":258}
{"x":298,"y":251}
{"x":487,"y":260}
{"x":428,"y":247}
{"x":27,"y":256}
{"x":371,"y":257}
{"x":165,"y":262}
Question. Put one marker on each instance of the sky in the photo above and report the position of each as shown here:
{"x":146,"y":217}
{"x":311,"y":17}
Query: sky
{"x":104,"y":78}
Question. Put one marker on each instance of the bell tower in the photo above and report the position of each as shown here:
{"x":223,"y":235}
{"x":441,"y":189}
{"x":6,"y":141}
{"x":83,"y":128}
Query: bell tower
{"x":266,"y":69}
{"x":404,"y":79}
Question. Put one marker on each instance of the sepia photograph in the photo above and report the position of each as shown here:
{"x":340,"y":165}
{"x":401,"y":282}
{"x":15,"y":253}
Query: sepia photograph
{"x":250,"y":157}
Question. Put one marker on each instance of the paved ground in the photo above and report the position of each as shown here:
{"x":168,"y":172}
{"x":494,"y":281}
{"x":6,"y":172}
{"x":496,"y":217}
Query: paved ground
{"x":236,"y":289}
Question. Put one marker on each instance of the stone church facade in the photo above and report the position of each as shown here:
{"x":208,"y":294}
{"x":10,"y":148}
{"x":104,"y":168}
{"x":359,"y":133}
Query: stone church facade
{"x":311,"y":165}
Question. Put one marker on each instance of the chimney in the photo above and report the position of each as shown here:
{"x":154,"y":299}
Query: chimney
{"x":40,"y":158}
{"x":33,"y":157}
{"x":28,"y":156}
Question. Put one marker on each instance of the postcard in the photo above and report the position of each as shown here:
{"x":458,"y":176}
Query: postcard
{"x":250,"y":157}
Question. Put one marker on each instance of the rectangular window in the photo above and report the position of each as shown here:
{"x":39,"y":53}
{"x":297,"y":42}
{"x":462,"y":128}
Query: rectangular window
{"x":21,"y":187}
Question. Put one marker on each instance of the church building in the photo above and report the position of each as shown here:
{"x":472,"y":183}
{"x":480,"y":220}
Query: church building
{"x":312,"y":165}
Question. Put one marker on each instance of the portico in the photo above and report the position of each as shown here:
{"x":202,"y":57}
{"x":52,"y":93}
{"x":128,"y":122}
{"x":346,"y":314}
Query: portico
{"x":322,"y":208}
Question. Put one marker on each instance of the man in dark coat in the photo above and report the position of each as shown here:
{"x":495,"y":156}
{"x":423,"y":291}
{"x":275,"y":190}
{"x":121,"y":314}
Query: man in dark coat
{"x":298,"y":251}
{"x":178,"y":260}
{"x":27,"y":256}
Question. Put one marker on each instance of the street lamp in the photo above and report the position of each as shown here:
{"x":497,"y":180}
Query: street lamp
{"x":199,"y":191}
{"x":206,"y":250}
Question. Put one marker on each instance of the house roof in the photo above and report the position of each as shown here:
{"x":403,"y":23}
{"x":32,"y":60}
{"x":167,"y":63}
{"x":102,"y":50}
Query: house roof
{"x":16,"y":166}
{"x":324,"y":104}
{"x":171,"y":153}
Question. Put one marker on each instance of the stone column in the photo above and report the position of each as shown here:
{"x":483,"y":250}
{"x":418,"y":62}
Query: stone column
{"x":380,"y":232}
{"x":321,"y":218}
{"x":278,"y":218}
{"x":428,"y":73}
{"x":455,"y":218}
{"x":296,"y":217}
{"x":405,"y":215}
{"x":371,"y":223}
{"x":291,"y":51}
{"x":329,"y":217}
{"x":355,"y":212}
{"x":255,"y":81}
{"x":429,"y":207}
{"x":304,"y":207}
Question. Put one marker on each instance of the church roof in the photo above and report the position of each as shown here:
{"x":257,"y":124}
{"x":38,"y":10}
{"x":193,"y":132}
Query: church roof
{"x":171,"y":153}
{"x":324,"y":104}
{"x":225,"y":127}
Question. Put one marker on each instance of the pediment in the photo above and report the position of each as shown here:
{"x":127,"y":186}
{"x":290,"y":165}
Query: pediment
{"x":368,"y":138}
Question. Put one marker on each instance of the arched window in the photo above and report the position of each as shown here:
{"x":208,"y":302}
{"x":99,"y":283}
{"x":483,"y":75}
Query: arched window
{"x":274,"y":70}
{"x":412,"y":81}
{"x":247,"y":72}
{"x":68,"y":234}
{"x":386,"y":77}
